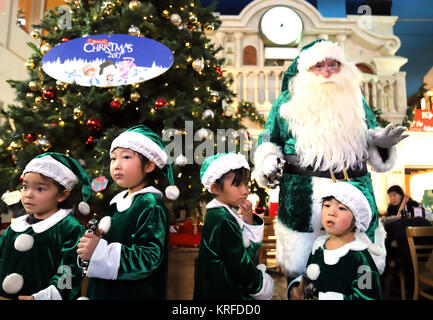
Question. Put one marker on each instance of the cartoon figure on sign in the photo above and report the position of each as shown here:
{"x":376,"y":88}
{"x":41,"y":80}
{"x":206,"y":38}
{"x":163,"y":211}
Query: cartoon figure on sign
{"x":90,"y":72}
{"x":126,"y":66}
{"x":107,"y":69}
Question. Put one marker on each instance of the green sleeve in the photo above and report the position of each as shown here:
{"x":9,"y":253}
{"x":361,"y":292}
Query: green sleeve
{"x":240,"y":269}
{"x":68,"y":278}
{"x":146,"y":253}
{"x":370,"y":118}
{"x":366,"y":283}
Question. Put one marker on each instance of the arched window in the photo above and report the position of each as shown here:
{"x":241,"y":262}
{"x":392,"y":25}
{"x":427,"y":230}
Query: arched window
{"x":250,"y":56}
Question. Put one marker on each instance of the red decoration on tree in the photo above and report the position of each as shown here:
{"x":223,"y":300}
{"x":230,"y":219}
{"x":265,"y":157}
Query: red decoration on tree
{"x":30,"y":138}
{"x":65,"y":39}
{"x":115,"y":105}
{"x":48,"y":93}
{"x":219,"y":71}
{"x":89,"y":140}
{"x":160,"y":103}
{"x":93,"y":124}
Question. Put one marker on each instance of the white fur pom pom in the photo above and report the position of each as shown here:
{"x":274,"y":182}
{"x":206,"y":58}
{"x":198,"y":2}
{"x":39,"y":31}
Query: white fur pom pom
{"x":24,"y":242}
{"x":13,"y":283}
{"x":313,"y":271}
{"x":83,"y":298}
{"x":172,"y":192}
{"x":105,"y":224}
{"x":246,"y":241}
{"x":84,"y":208}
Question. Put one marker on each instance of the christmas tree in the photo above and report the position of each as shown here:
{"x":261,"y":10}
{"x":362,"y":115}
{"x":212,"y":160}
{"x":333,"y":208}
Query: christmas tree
{"x":189,"y":104}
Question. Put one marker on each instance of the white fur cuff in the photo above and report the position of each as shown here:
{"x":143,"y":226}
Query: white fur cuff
{"x":105,"y":261}
{"x":267,"y":290}
{"x":50,"y":293}
{"x":261,"y":153}
{"x":376,"y":160}
{"x":330,"y":295}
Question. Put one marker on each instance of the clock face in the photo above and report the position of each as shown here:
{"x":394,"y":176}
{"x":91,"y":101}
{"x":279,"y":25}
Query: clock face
{"x":281,"y":26}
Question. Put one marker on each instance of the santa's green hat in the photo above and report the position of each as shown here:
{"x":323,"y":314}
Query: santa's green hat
{"x":66,"y":171}
{"x":146,"y":142}
{"x":310,"y":54}
{"x":216,"y":166}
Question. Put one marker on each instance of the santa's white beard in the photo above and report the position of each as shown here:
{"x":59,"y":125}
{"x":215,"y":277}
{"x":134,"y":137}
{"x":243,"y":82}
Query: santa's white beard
{"x":327,"y":119}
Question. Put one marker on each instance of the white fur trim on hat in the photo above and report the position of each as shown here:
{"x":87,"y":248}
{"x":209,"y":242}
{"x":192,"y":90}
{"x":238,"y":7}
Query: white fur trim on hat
{"x":24,"y":242}
{"x":221,"y":166}
{"x":53,"y":169}
{"x":355,"y":200}
{"x":319,"y":52}
{"x":172,"y":192}
{"x":13,"y":283}
{"x":141,"y":144}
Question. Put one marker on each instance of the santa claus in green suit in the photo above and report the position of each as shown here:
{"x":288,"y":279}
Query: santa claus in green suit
{"x":322,"y":129}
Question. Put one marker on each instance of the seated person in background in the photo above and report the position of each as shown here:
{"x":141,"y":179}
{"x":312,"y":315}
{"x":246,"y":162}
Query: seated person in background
{"x":401,"y":203}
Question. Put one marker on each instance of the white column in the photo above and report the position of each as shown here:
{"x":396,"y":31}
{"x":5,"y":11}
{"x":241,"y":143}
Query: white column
{"x":238,"y":49}
{"x":220,"y":37}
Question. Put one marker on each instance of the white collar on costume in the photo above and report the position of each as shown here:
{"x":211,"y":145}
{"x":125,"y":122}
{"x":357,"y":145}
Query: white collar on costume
{"x":216,"y":204}
{"x":20,"y":224}
{"x":332,"y":257}
{"x":123,"y":202}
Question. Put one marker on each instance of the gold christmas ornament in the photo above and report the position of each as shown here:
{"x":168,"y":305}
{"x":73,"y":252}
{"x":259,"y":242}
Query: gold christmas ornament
{"x":165,"y":14}
{"x":198,"y":65}
{"x":197,"y":100}
{"x":45,"y":48}
{"x":135,"y":96}
{"x":209,"y":27}
{"x":35,"y":34}
{"x":34,"y":85}
{"x":175,"y":19}
{"x":29,"y":64}
{"x":134,"y":31}
{"x":78,"y":113}
{"x":38,"y":100}
{"x":134,"y":5}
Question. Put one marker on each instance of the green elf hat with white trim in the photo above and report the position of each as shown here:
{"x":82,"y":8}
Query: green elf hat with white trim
{"x":66,"y":171}
{"x":216,"y":166}
{"x":146,"y":142}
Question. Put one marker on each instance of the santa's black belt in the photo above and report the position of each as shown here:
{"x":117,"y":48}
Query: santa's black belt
{"x":292,"y":166}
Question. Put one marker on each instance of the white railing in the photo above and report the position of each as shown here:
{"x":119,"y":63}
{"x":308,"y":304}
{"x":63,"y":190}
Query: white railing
{"x":262,"y":85}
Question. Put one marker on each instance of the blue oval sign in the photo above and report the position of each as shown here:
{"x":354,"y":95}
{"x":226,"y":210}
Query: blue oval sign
{"x":107,"y":60}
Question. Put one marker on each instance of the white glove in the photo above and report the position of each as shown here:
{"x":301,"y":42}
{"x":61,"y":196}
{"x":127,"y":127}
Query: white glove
{"x":270,"y":165}
{"x":267,"y":290}
{"x":388,"y":137}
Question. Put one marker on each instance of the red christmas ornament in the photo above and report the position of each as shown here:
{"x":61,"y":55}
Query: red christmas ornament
{"x":160,"y":103}
{"x":89,"y":140}
{"x":65,"y":39}
{"x":93,"y":124}
{"x":115,"y":105}
{"x":48,"y":93}
{"x":30,"y":138}
{"x":219,"y":71}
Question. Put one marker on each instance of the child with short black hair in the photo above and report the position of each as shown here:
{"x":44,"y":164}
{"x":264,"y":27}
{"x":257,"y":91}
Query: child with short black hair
{"x":37,"y":251}
{"x":344,"y":263}
{"x":131,"y":260}
{"x":225,"y":268}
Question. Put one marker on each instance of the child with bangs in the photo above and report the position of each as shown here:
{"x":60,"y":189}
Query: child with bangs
{"x":225,"y":268}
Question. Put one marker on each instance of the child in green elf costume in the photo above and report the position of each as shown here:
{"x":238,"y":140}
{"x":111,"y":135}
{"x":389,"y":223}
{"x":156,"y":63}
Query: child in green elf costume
{"x":225,"y":268}
{"x":342,"y":264}
{"x":131,"y":260}
{"x":37,"y":251}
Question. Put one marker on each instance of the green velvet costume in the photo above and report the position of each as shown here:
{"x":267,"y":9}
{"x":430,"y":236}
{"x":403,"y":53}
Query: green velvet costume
{"x":50,"y":264}
{"x":225,"y":268}
{"x":346,"y":273}
{"x":296,"y":226}
{"x":135,"y":262}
